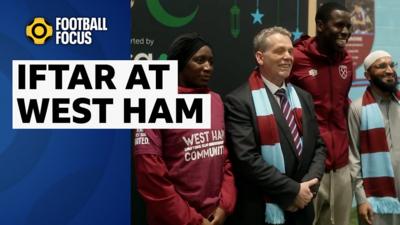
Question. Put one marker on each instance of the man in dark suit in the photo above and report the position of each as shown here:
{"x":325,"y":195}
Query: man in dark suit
{"x":278,"y":155}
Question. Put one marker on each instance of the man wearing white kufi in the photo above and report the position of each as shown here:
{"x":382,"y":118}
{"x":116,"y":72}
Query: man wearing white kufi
{"x":374,"y":125}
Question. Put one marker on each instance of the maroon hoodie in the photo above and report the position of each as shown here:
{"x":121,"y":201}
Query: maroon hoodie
{"x":328,"y":80}
{"x":183,"y":175}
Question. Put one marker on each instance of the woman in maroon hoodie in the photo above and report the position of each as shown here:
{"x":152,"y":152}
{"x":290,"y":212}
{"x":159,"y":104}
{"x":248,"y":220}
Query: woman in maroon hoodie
{"x":184,"y":175}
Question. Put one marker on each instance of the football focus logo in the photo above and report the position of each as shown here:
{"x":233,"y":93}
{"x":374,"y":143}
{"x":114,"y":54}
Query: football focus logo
{"x":39,"y":31}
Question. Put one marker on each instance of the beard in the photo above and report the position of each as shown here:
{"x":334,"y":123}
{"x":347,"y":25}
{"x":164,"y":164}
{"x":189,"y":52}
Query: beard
{"x":385,"y":87}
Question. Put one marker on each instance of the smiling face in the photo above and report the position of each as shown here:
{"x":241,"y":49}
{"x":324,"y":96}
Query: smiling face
{"x":382,"y":74}
{"x":276,"y":60}
{"x":198,"y":69}
{"x":335,"y":32}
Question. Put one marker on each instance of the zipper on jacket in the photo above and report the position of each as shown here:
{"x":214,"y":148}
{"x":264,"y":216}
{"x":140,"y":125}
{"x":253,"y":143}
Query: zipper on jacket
{"x":330,"y":114}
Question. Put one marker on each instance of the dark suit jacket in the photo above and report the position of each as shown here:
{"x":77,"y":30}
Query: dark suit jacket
{"x":255,"y":178}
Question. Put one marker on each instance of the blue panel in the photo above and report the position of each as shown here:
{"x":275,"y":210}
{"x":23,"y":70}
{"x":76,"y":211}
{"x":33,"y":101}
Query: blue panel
{"x":260,"y":97}
{"x":272,"y":154}
{"x":374,"y":114}
{"x":376,"y":165}
{"x":293,"y":98}
{"x":65,"y":177}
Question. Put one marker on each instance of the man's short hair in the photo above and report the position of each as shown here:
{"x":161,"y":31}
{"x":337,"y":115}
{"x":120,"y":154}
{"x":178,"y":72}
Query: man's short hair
{"x":259,"y":43}
{"x":324,"y":11}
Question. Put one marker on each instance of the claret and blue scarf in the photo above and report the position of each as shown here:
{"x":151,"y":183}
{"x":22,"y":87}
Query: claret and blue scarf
{"x":269,"y":136}
{"x":376,"y":166}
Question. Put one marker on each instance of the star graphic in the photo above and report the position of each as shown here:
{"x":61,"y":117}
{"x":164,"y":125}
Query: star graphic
{"x":257,"y":17}
{"x":296,"y":34}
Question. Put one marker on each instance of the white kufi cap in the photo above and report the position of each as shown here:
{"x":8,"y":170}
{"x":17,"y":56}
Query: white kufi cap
{"x":373,"y":56}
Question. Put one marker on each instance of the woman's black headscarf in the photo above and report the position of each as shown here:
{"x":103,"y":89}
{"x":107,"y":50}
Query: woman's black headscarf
{"x":184,"y":47}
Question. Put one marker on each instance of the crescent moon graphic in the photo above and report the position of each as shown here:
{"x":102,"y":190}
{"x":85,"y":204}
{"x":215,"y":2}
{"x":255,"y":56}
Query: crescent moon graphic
{"x":163,"y":17}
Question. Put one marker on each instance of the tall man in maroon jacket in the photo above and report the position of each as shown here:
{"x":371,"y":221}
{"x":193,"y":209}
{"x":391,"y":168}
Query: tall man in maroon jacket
{"x":324,"y":68}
